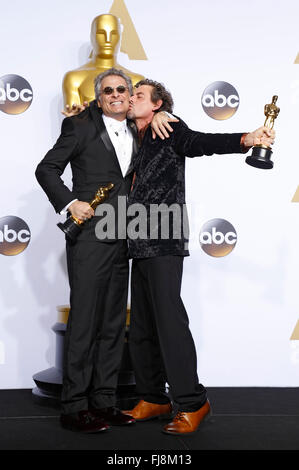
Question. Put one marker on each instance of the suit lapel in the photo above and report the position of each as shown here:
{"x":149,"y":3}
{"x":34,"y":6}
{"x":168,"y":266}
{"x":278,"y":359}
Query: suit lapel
{"x":96,"y":115}
{"x":133,"y":128}
{"x":135,"y":146}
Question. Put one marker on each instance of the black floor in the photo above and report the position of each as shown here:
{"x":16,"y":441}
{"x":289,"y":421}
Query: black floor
{"x":243,"y":419}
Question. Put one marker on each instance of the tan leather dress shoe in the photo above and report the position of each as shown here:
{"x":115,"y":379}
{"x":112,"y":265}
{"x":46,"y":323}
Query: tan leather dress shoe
{"x":144,"y":411}
{"x":187,"y":423}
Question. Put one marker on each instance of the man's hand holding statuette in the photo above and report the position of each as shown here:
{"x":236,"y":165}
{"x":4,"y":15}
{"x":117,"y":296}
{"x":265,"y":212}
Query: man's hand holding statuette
{"x":81,"y":210}
{"x":261,"y":136}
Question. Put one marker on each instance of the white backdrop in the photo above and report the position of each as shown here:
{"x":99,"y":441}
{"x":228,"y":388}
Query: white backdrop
{"x":242,"y":307}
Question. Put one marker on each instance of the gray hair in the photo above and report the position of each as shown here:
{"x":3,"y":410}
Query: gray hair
{"x":98,"y":80}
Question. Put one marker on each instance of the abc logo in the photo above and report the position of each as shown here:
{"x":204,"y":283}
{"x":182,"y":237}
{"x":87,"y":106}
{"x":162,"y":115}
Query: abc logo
{"x":15,"y":94}
{"x":220,"y":100}
{"x":217,"y":237}
{"x":14,"y":235}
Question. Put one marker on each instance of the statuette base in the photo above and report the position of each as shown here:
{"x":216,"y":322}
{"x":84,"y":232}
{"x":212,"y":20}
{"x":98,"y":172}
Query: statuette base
{"x":70,"y":228}
{"x":260,"y":158}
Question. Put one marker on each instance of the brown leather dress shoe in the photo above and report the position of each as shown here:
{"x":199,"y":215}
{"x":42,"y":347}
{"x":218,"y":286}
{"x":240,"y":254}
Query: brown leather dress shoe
{"x":188,"y":423}
{"x":83,"y":421}
{"x":145,"y":410}
{"x":113,"y":416}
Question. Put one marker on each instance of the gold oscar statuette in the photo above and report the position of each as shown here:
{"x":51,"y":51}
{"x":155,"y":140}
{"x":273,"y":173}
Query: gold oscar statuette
{"x":261,"y":154}
{"x":72,"y":226}
{"x":78,"y":84}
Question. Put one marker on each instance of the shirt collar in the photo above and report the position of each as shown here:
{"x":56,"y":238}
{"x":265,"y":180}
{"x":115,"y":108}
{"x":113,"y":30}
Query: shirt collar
{"x":114,"y":124}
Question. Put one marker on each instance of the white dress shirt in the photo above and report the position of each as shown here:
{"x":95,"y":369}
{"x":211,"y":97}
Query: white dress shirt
{"x":122,"y":141}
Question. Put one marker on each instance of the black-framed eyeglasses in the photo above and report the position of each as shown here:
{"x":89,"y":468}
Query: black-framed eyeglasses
{"x":108,"y":90}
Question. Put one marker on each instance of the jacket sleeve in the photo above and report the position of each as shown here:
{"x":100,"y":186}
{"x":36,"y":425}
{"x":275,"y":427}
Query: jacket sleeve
{"x":195,"y":144}
{"x":50,"y":169}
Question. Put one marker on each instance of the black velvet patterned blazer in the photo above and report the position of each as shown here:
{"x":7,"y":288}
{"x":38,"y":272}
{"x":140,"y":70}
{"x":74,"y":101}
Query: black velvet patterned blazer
{"x":160,"y":179}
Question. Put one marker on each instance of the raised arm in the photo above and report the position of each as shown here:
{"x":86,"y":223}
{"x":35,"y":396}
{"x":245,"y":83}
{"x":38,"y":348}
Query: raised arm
{"x":192,"y":143}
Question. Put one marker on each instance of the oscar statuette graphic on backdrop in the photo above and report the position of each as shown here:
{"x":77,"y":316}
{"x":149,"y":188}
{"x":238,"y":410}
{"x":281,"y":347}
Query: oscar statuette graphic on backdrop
{"x":78,"y":84}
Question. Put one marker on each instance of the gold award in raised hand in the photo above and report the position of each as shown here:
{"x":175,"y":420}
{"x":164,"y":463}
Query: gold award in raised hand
{"x":72,"y":226}
{"x":78,"y":84}
{"x":261,"y":154}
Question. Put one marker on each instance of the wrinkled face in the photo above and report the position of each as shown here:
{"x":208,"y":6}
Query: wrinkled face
{"x":116,"y":104}
{"x":141,"y":105}
{"x":105,"y":34}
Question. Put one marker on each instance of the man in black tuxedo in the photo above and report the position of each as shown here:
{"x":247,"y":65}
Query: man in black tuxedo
{"x":98,"y":143}
{"x":161,"y":344}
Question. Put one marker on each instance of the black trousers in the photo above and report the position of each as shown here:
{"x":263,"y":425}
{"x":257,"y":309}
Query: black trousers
{"x":98,"y":275}
{"x":161,"y":345}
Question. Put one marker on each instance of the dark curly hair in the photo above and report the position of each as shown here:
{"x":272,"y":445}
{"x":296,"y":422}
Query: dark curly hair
{"x":159,"y":92}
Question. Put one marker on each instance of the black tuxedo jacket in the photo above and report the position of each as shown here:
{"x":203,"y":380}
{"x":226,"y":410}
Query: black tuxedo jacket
{"x":85,"y":144}
{"x":160,"y":179}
